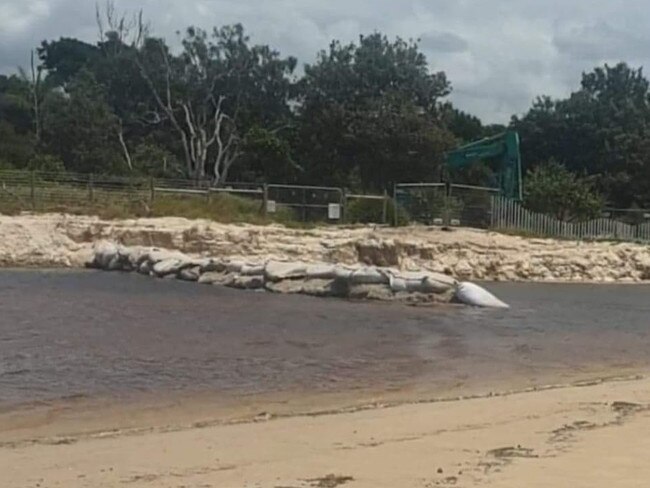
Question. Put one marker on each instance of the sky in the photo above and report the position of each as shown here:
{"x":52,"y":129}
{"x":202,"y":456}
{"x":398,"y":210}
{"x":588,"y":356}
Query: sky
{"x":498,"y":54}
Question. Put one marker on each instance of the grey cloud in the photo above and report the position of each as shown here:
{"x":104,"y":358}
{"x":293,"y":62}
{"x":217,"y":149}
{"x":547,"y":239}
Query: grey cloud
{"x":601,"y":41}
{"x":445,"y":42}
{"x":499,"y":55}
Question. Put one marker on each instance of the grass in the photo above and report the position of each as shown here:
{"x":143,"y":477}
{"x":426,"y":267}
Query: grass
{"x":118,"y":205}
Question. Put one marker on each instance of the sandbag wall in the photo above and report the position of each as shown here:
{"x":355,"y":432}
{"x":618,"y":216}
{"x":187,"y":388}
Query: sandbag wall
{"x":282,"y":277}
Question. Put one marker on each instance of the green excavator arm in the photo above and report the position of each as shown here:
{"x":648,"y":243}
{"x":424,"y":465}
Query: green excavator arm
{"x":502,"y":151}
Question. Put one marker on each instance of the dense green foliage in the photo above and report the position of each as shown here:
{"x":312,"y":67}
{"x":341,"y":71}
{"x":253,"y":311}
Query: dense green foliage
{"x":363,"y":116}
{"x":603,"y":130}
{"x":552,"y":189}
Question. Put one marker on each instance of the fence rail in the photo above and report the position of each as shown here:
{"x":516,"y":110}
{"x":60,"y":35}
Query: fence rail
{"x":25,"y":190}
{"x":508,"y":214}
{"x":427,"y":203}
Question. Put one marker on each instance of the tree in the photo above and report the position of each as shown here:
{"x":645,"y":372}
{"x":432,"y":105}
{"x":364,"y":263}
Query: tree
{"x":552,"y":189}
{"x":602,"y":129}
{"x":369,"y":115}
{"x":17,"y":141}
{"x":209,"y":93}
{"x":79,"y":128}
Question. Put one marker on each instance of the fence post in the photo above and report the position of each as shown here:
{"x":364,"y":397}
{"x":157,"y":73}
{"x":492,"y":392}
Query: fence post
{"x":91,"y":188}
{"x":32,"y":189}
{"x":384,"y":209}
{"x":304,"y":205}
{"x":265,"y":199}
{"x":152,"y":189}
{"x":395,"y":205}
{"x":344,"y":205}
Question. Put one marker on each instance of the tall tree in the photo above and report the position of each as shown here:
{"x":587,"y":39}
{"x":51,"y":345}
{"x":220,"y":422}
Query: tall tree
{"x":213,"y":92}
{"x":602,"y":129}
{"x":370,"y":113}
{"x":79,"y":127}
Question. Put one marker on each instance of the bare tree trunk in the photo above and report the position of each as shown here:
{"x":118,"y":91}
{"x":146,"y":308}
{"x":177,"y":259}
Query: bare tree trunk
{"x":125,"y":149}
{"x":201,"y":131}
{"x":35,"y":91}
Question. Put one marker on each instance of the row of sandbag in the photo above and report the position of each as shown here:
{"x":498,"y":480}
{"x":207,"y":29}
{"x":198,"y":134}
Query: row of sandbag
{"x":292,"y":277}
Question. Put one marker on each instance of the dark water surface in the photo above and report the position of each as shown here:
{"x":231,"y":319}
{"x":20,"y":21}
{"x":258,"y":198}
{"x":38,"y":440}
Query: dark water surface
{"x":65,"y":333}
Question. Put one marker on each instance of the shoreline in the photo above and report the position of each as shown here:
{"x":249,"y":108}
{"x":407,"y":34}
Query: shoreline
{"x":510,"y":439}
{"x":77,"y":417}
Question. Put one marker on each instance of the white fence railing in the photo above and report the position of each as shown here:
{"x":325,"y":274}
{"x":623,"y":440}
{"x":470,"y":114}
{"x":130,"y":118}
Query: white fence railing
{"x":507,"y":214}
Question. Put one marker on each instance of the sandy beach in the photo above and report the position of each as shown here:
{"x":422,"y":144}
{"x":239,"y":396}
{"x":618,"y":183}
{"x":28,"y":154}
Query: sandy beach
{"x":590,"y":435}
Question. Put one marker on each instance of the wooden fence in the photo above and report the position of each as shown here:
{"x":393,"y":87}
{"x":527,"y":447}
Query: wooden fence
{"x":507,"y":214}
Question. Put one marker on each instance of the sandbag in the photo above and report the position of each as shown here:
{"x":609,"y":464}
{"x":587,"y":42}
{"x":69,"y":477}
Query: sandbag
{"x":145,"y":268}
{"x":212,"y":265}
{"x":397,"y":285}
{"x":247,"y":282}
{"x":213,"y":277}
{"x":169,"y":267}
{"x":252,"y":270}
{"x":369,"y":276}
{"x":159,"y":255}
{"x":342,"y":274}
{"x":190,"y":274}
{"x":278,"y":271}
{"x":105,"y":253}
{"x":474,"y":295}
{"x":427,"y":284}
{"x":320,"y":272}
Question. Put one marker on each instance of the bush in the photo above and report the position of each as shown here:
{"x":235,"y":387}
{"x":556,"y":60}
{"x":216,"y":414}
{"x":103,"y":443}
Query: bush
{"x":552,"y":189}
{"x":366,"y":211}
{"x":46,"y":163}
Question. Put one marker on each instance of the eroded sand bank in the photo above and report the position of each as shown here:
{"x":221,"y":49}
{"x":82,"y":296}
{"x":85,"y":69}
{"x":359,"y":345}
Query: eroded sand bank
{"x":64,"y":240}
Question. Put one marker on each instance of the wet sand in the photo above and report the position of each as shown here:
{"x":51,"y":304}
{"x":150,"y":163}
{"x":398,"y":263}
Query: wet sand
{"x":591,"y":436}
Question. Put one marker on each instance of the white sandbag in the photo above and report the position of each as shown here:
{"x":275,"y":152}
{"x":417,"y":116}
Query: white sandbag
{"x":132,"y":257}
{"x":104,"y":254}
{"x":212,"y":265}
{"x":278,"y":271}
{"x":247,"y":282}
{"x":159,"y":255}
{"x":145,"y":268}
{"x":169,"y":267}
{"x":234,"y":266}
{"x":369,"y":276}
{"x":213,"y":277}
{"x":471,"y":294}
{"x":397,"y":285}
{"x":342,"y":274}
{"x":428,"y":284}
{"x":321,"y":272}
{"x":190,"y":274}
{"x":252,"y":270}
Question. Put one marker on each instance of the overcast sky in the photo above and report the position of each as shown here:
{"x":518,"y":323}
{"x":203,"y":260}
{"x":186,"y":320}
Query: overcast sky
{"x":498,"y":54}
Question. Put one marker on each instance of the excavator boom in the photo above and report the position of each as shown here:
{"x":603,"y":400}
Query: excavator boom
{"x":502,"y":151}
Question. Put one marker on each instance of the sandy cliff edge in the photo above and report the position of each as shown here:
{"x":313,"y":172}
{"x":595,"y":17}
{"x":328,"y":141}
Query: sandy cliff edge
{"x":58,"y":240}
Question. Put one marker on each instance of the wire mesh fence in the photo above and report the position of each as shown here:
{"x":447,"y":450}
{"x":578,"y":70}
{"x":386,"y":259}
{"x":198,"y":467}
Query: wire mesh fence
{"x":366,"y":209}
{"x":425,"y":203}
{"x":41,"y":191}
{"x":446,"y":205}
{"x":306,"y":203}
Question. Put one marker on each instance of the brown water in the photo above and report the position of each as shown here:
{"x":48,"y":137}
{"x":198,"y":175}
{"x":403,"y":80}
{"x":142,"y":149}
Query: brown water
{"x":65,"y":334}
